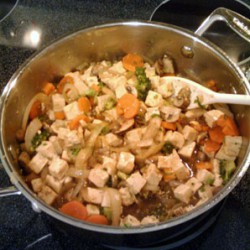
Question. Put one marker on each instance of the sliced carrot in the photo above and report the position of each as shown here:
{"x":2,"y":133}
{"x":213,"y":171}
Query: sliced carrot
{"x":128,"y":106}
{"x":228,"y":125}
{"x":169,"y":125}
{"x":221,"y":121}
{"x":204,"y":165}
{"x":36,"y":110}
{"x":132,"y":61}
{"x":200,"y":127}
{"x":98,"y":219}
{"x":169,"y":177}
{"x":212,"y":85}
{"x":64,"y":80}
{"x":216,"y":134}
{"x":48,"y":88}
{"x":73,"y":124}
{"x":59,"y":115}
{"x":84,"y":104}
{"x":211,"y":146}
{"x":75,"y":209}
{"x":96,"y":88}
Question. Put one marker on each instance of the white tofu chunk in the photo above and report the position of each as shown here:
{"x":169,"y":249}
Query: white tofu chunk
{"x":113,"y":140}
{"x":71,"y":110}
{"x":78,"y":81}
{"x":189,"y":133}
{"x":126,"y":162}
{"x":149,"y":71}
{"x":187,"y":150}
{"x":150,"y":219}
{"x":56,"y":125}
{"x":230,"y":148}
{"x":92,"y":209}
{"x":92,"y":195}
{"x":46,"y":148}
{"x":129,"y":221}
{"x":70,"y":137}
{"x":114,"y":81}
{"x":58,"y":168}
{"x":170,"y":114}
{"x":195,"y":113}
{"x":165,"y":88}
{"x":56,"y":144}
{"x":37,"y":163}
{"x":126,"y":197}
{"x":58,"y":102}
{"x":194,"y":184}
{"x":37,"y":184}
{"x":117,"y":68}
{"x":150,"y":112}
{"x":212,"y":116}
{"x":153,"y":177}
{"x":153,"y":99}
{"x":109,"y":164}
{"x":98,"y":176}
{"x":65,"y":156}
{"x":155,"y":81}
{"x":175,"y":138}
{"x":101,"y":101}
{"x":205,"y":176}
{"x":206,"y":192}
{"x":110,"y":115}
{"x":54,"y":183}
{"x":120,"y":91}
{"x":183,"y":193}
{"x":47,"y":195}
{"x":136,"y":182}
{"x":106,"y":199}
{"x":134,"y":135}
{"x":91,"y":80}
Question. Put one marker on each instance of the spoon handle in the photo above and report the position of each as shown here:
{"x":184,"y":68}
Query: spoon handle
{"x":231,"y":99}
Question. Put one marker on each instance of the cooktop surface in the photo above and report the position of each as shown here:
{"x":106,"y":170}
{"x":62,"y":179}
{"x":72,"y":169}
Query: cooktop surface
{"x":27,"y":26}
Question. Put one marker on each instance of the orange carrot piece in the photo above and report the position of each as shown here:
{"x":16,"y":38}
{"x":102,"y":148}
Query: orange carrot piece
{"x":132,"y":61}
{"x":98,"y":219}
{"x":36,"y":110}
{"x":75,"y":209}
{"x":59,"y":115}
{"x":211,"y":146}
{"x":200,"y":127}
{"x":204,"y":165}
{"x":64,"y":80}
{"x":95,"y":88}
{"x":73,"y":124}
{"x":212,"y":85}
{"x":228,"y":125}
{"x":169,"y":177}
{"x":84,"y":104}
{"x":128,"y":105}
{"x":216,"y":134}
{"x":169,"y":125}
{"x":48,"y":88}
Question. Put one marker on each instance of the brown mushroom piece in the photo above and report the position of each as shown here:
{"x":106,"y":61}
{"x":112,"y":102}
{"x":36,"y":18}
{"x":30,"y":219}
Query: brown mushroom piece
{"x":127,"y":124}
{"x":165,"y":66}
{"x":182,"y":100}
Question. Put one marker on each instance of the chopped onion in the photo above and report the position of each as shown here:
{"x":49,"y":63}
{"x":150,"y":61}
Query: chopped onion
{"x":116,"y":205}
{"x":152,"y":128}
{"x":73,"y":95}
{"x":38,"y":97}
{"x":77,"y":173}
{"x":34,"y":126}
{"x":77,"y":188}
{"x":85,"y":153}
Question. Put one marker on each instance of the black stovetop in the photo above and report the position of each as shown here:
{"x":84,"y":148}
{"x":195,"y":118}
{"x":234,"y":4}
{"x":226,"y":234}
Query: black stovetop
{"x":20,"y":226}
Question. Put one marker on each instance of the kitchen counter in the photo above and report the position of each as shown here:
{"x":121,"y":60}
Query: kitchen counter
{"x":20,"y":226}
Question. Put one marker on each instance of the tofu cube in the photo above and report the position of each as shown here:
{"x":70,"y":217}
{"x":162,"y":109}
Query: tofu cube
{"x":165,"y":88}
{"x":155,"y":81}
{"x":170,"y":114}
{"x":153,"y":99}
{"x":189,"y":133}
{"x":129,"y":221}
{"x":120,"y":91}
{"x":58,"y":102}
{"x":212,"y":116}
{"x":150,"y":219}
{"x":109,"y":164}
{"x":150,"y":112}
{"x":194,"y":184}
{"x":183,"y":193}
{"x":92,"y":209}
{"x":205,"y":176}
{"x":54,"y":183}
{"x":99,"y":177}
{"x":176,"y":138}
{"x":149,"y":71}
{"x":206,"y":192}
{"x":56,"y":125}
{"x":117,"y":68}
{"x":187,"y":150}
{"x":47,"y":195}
{"x":91,"y":80}
{"x":126,"y":162}
{"x":101,"y":101}
{"x":134,"y":135}
{"x":78,"y":81}
{"x":106,"y":199}
{"x":136,"y":182}
{"x":195,"y":113}
{"x":71,"y":110}
{"x":37,"y":185}
{"x":110,"y":115}
{"x":46,"y":148}
{"x":37,"y":163}
{"x":70,"y":137}
{"x":92,"y":195}
{"x":113,"y":140}
{"x":126,"y":197}
{"x":153,"y":177}
{"x":58,"y":168}
{"x":56,"y":144}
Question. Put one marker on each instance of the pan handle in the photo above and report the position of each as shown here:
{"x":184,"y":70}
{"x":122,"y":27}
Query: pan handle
{"x":8,"y":191}
{"x":237,"y":22}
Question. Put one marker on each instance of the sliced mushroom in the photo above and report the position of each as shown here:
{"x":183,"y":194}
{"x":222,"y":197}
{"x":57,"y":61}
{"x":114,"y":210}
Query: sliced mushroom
{"x":164,"y":66}
{"x":182,"y":100}
{"x":152,"y":128}
{"x":170,"y":114}
{"x":125,"y":126}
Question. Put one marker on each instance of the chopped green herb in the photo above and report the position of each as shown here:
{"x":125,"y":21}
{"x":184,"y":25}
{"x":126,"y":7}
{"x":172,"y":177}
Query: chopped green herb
{"x":226,"y":170}
{"x":105,"y":130}
{"x":143,"y":83}
{"x":127,"y":225}
{"x":122,"y":175}
{"x":39,"y":137}
{"x":90,"y":93}
{"x":202,"y":189}
{"x":107,"y":211}
{"x":101,"y":84}
{"x":110,"y":104}
{"x":167,"y":148}
{"x":199,"y":103}
{"x":74,"y":151}
{"x":210,"y":181}
{"x":155,"y":115}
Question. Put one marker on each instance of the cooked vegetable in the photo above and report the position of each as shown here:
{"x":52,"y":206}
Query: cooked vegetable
{"x":113,"y":144}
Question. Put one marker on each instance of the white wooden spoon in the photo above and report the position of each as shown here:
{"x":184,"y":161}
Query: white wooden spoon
{"x":201,"y":95}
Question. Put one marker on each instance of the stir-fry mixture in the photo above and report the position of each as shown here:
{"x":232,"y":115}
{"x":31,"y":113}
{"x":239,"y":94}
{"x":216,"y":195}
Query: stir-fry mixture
{"x":115,"y":144}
